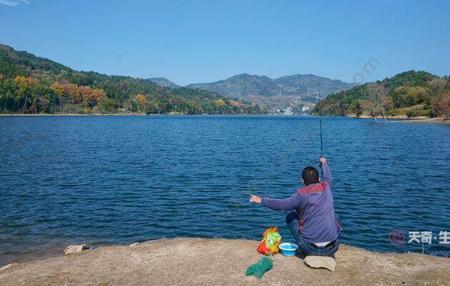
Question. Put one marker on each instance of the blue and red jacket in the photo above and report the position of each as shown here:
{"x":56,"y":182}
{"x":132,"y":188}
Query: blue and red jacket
{"x":314,"y":207}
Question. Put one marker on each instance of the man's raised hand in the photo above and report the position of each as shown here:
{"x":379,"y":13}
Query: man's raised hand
{"x":255,"y":199}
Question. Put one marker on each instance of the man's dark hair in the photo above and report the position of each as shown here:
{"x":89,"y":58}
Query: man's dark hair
{"x":310,"y":175}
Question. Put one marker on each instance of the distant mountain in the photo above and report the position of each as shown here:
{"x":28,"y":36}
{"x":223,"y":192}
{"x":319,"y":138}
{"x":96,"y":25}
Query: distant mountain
{"x":300,"y":84}
{"x":31,"y":84}
{"x":161,"y":81}
{"x":240,"y":86}
{"x":276,"y":93}
{"x":410,"y":93}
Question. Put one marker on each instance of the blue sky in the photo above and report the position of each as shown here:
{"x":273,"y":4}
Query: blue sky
{"x":200,"y":41}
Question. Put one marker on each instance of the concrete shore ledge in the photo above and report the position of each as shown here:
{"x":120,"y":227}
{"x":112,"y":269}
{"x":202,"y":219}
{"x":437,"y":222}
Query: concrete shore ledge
{"x":195,"y":261}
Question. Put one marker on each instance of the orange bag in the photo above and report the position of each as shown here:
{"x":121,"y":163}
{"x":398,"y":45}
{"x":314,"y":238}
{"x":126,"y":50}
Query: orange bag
{"x":270,"y":242}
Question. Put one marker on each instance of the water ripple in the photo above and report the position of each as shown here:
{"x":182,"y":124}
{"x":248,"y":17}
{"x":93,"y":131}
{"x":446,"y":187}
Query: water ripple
{"x":105,"y":180}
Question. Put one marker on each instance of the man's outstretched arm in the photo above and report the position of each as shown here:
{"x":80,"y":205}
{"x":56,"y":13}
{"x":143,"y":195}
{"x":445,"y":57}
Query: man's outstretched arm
{"x":326,"y":173}
{"x":290,"y":203}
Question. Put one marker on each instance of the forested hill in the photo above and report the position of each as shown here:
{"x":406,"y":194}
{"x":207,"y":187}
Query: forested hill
{"x":276,"y":93}
{"x":30,"y":84}
{"x":411,"y":93}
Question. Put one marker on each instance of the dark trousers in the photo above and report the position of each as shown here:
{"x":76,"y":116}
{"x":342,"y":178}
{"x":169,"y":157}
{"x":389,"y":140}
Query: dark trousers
{"x":305,"y":248}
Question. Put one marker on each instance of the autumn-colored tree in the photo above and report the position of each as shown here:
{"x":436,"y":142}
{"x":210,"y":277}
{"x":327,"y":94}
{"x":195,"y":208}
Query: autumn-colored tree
{"x":235,"y":103}
{"x":218,"y":102}
{"x":142,"y":102}
{"x":97,"y":95}
{"x":23,"y":81}
{"x":57,"y":88}
{"x":60,"y":90}
{"x":73,"y":93}
{"x":83,"y":95}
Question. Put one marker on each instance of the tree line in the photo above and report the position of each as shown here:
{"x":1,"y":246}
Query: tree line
{"x":410,"y":94}
{"x":30,"y":84}
{"x":28,"y":95}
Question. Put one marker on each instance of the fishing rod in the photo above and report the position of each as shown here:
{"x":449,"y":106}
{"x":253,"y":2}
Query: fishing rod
{"x":320,"y":124}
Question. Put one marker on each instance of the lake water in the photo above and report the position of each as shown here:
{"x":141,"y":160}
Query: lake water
{"x":122,"y":179}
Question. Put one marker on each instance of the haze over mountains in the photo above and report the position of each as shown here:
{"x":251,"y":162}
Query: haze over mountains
{"x":278,"y":93}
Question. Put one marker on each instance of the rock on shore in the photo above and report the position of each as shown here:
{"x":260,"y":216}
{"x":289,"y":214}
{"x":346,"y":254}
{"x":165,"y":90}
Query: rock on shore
{"x":221,"y":262}
{"x":71,"y":249}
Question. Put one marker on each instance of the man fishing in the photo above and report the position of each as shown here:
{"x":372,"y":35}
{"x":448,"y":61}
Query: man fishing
{"x":313,"y":223}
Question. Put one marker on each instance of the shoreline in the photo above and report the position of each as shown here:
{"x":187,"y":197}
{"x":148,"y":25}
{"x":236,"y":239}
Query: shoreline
{"x":119,"y":114}
{"x":395,"y":119}
{"x":405,"y":119}
{"x":421,"y":120}
{"x":69,"y":114}
{"x":201,"y":261}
